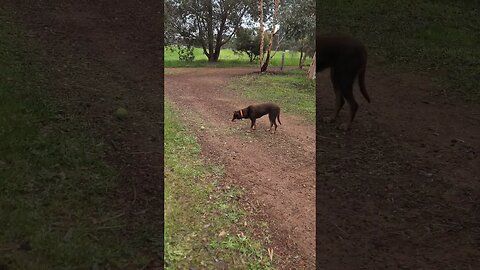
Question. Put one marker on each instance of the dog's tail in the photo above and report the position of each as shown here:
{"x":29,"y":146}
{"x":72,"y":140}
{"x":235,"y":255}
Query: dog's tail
{"x":278,"y":117}
{"x":361,"y":84}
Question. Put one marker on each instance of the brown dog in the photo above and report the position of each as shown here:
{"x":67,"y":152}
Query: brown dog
{"x":253,"y":112}
{"x":347,"y":58}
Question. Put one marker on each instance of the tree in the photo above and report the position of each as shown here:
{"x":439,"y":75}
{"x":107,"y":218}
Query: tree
{"x":246,"y":41}
{"x":312,"y":70}
{"x":297,"y":18}
{"x":306,"y":47}
{"x":208,"y":23}
{"x":272,"y":36}
{"x":262,"y":30}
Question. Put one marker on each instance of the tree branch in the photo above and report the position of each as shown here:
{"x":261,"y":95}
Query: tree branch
{"x":236,"y":26}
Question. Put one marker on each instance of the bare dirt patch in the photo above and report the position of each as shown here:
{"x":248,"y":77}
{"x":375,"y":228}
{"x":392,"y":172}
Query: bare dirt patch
{"x":103,"y":55}
{"x":401,"y":190}
{"x":277,"y":171}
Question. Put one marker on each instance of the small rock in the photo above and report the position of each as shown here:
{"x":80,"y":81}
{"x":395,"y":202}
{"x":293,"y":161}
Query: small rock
{"x":121,"y":113}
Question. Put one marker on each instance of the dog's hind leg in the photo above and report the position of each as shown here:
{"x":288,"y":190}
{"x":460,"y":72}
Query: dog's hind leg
{"x":272,"y":117}
{"x":274,"y":122}
{"x":348,"y":93}
{"x":339,"y":99}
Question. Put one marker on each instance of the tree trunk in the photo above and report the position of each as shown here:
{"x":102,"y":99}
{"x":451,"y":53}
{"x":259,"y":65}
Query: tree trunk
{"x":260,"y":10}
{"x":272,"y":35}
{"x":265,"y":65}
{"x":303,"y":59}
{"x":216,"y":56}
{"x":218,"y":40}
{"x":211,"y":55}
{"x":300,"y":64}
{"x":311,"y":70}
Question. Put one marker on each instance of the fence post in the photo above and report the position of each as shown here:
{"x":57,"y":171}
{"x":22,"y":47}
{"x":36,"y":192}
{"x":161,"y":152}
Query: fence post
{"x":283,"y":59}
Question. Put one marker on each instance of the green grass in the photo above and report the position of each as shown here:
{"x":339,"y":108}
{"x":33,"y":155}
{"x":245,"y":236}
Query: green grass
{"x":228,"y":59}
{"x":439,"y":38}
{"x":203,"y":222}
{"x":292,"y":91}
{"x":54,"y":184}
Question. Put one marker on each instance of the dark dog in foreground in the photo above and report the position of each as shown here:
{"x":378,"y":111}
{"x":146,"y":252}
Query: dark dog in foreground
{"x":347,"y":58}
{"x":253,"y":112}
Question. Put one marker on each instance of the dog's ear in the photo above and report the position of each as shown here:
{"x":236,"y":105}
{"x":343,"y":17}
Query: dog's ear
{"x":234,"y":116}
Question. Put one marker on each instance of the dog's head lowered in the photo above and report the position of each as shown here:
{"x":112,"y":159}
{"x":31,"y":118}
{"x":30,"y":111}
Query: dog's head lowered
{"x":237,"y":115}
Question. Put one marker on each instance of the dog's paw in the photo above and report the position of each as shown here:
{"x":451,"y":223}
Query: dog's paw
{"x":344,"y":126}
{"x":327,"y":119}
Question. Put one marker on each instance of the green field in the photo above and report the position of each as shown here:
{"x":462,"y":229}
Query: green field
{"x":292,"y":91}
{"x":54,"y":185}
{"x":439,"y":38}
{"x":203,"y":223}
{"x":228,"y":59}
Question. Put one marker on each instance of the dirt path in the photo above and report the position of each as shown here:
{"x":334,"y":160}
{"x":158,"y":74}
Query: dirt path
{"x":402,"y":190}
{"x":277,"y":171}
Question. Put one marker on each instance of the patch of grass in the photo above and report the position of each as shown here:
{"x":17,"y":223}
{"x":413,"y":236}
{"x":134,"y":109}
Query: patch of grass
{"x":437,"y":37}
{"x":292,"y":91}
{"x":228,"y":59}
{"x":54,"y":184}
{"x":203,"y":223}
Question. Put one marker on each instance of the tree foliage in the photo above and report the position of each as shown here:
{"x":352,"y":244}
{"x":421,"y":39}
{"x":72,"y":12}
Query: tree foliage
{"x":207,"y":23}
{"x":297,"y":18}
{"x":247,"y":41}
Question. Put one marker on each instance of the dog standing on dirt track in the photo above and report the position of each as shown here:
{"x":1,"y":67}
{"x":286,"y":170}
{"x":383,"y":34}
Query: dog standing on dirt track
{"x":347,"y":58}
{"x":253,"y":112}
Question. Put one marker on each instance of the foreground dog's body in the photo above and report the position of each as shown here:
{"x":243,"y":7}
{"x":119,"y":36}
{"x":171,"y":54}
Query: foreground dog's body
{"x":347,"y":58}
{"x":253,"y":112}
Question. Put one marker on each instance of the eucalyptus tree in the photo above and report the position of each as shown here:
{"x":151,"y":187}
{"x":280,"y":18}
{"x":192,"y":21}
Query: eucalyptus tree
{"x":207,"y":23}
{"x":297,"y":19}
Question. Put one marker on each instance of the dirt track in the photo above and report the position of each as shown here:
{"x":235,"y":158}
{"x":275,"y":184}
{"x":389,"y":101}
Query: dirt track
{"x":402,"y":189}
{"x":278,"y":171}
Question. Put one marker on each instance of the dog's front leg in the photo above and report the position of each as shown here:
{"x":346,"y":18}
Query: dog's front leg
{"x":253,"y":125}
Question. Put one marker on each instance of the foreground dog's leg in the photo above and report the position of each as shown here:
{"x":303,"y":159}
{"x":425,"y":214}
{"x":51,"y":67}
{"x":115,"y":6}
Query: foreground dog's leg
{"x":353,"y":108}
{"x":339,"y":102}
{"x":339,"y":99}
